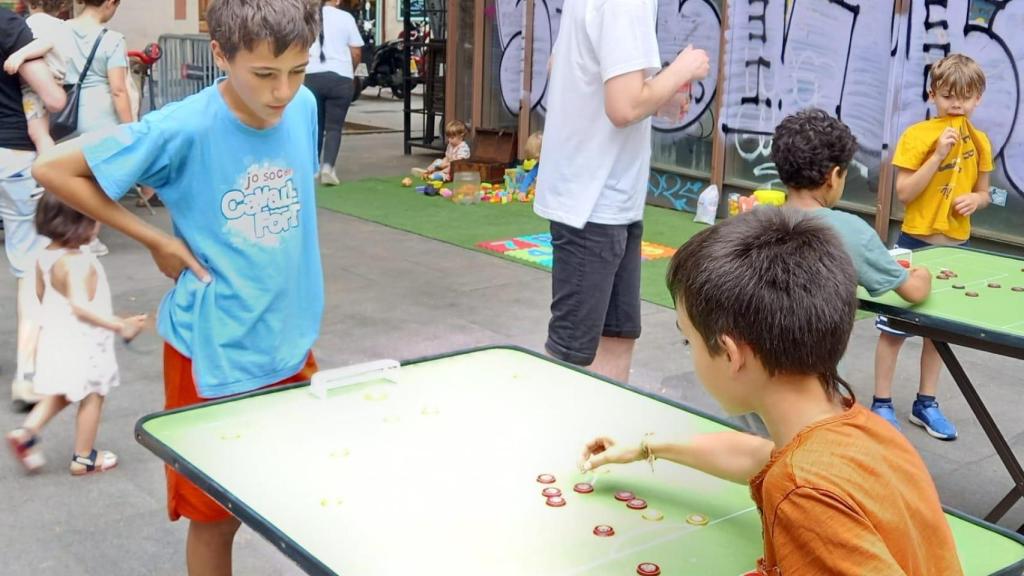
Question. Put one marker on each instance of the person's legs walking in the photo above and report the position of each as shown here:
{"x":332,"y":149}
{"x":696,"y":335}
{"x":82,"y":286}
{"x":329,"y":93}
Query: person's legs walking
{"x":19,"y":195}
{"x":315,"y":83}
{"x":339,"y":98}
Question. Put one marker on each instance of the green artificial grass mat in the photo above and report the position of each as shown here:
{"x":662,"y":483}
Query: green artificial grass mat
{"x":385,"y":201}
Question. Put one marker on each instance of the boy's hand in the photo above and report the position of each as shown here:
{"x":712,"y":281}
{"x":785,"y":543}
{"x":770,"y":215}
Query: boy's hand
{"x":967,"y":204}
{"x":693,"y":63}
{"x":949,"y":138}
{"x":13,"y":63}
{"x":172,"y":256}
{"x":604,"y":450}
{"x":131,"y":326}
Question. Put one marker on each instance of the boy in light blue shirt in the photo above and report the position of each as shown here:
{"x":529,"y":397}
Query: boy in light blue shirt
{"x":235,"y":166}
{"x":812,"y":152}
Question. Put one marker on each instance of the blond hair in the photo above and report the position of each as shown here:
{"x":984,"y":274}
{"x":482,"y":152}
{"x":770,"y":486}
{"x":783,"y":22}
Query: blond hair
{"x":455,"y":128}
{"x":958,"y":74}
{"x":533,"y":143}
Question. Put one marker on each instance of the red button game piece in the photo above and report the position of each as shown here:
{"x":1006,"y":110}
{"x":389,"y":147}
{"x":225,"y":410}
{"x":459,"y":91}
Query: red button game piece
{"x":648,"y":569}
{"x":556,"y":501}
{"x":583,"y":487}
{"x":904,"y":263}
{"x":603,"y":530}
{"x":546,"y":479}
{"x":624,"y":496}
{"x":636,"y":504}
{"x":551,"y":491}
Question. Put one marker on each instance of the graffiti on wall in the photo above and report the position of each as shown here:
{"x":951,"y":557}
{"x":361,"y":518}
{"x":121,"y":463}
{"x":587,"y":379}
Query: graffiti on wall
{"x":682,"y":23}
{"x":787,"y":56}
{"x":673,"y":190}
{"x":511,"y":19}
{"x":857,"y":59}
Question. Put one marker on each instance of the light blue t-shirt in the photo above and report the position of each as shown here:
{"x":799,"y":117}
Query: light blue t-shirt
{"x":244,"y":201}
{"x":877,"y":271}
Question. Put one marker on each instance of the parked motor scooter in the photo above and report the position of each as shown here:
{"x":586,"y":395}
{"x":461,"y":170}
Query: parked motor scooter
{"x":385,"y":69}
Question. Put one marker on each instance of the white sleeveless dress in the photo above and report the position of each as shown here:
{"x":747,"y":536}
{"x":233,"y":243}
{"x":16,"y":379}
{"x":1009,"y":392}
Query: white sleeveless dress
{"x":73,"y":358}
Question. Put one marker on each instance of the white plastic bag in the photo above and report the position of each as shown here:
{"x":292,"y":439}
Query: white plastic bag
{"x":707,"y":205}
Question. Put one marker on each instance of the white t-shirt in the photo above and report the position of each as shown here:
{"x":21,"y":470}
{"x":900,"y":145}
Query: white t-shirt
{"x":593,"y":171}
{"x":340,"y":34}
{"x":57,"y":31}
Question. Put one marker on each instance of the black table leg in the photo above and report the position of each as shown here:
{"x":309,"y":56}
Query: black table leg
{"x":991,"y":430}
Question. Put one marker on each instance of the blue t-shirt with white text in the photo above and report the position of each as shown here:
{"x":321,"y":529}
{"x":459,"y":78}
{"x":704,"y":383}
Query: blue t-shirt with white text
{"x":243,"y":199}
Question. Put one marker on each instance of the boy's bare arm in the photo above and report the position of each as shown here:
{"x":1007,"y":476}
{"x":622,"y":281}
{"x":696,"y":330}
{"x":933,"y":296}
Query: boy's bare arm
{"x":979,"y":198}
{"x":37,"y":75}
{"x":631,"y":97}
{"x":910,"y":183}
{"x":34,"y":49}
{"x":63,"y":171}
{"x":733,"y":456}
{"x":918,"y":285}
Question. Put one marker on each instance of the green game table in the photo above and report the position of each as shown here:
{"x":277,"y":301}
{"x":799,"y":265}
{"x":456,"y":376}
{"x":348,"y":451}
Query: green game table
{"x":993,"y":322}
{"x":437,"y":474}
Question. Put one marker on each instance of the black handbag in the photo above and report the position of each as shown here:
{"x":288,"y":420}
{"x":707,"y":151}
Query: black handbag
{"x":65,"y":122}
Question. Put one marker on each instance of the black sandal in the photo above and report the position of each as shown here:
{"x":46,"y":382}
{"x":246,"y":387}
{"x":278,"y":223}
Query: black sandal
{"x":93,"y":463}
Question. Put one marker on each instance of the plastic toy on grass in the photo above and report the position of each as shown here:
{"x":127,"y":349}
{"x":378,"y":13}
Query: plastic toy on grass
{"x":446,"y":193}
{"x":406,"y":182}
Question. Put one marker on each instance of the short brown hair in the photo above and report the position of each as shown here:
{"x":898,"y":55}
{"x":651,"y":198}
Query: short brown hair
{"x":777,"y":280}
{"x":959,"y":74}
{"x":243,"y":24}
{"x":51,"y":7}
{"x":455,"y":128}
{"x":95,"y":3}
{"x":62,"y":223}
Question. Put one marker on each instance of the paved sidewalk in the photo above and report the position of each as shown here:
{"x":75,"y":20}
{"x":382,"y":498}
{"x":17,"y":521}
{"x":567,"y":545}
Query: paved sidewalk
{"x":389,"y":294}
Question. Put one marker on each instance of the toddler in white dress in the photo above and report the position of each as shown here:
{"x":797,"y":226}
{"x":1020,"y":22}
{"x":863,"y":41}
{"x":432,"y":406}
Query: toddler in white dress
{"x":75,"y":355}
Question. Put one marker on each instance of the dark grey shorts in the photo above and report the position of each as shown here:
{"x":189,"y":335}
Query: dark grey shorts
{"x":595,"y":288}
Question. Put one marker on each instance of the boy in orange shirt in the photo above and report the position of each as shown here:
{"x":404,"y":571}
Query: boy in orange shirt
{"x":942,"y":176}
{"x":839,"y":490}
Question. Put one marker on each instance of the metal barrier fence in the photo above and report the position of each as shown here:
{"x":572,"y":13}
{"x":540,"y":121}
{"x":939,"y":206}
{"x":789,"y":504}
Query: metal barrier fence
{"x":185,"y":67}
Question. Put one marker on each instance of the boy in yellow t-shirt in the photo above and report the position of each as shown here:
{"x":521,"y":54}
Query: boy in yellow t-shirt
{"x":942,"y":176}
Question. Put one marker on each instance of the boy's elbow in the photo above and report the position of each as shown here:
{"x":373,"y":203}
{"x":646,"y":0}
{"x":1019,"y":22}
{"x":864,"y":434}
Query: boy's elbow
{"x":41,"y":171}
{"x":916,"y":288}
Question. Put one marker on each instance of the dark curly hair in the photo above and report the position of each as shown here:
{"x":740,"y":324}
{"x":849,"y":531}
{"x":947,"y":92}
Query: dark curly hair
{"x":807,"y":145}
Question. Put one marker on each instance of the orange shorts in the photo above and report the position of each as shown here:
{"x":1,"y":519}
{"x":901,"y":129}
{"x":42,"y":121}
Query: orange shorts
{"x":183,"y":497}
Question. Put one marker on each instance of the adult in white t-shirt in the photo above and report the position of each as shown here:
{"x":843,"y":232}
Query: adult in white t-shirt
{"x":592,"y":184}
{"x":332,"y":60}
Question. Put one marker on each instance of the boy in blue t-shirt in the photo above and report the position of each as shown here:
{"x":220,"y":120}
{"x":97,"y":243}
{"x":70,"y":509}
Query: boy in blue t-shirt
{"x":235,"y":166}
{"x":812,"y":151}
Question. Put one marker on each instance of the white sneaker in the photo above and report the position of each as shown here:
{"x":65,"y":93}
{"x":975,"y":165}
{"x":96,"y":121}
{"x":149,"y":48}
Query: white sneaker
{"x":328,"y":177}
{"x":98,"y":248}
{"x":22,"y":395}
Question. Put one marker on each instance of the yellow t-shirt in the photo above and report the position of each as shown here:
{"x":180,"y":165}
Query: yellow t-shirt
{"x":932,"y":211}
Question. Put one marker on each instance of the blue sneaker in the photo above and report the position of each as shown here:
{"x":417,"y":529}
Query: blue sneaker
{"x":927,"y":415}
{"x":887,"y":412}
